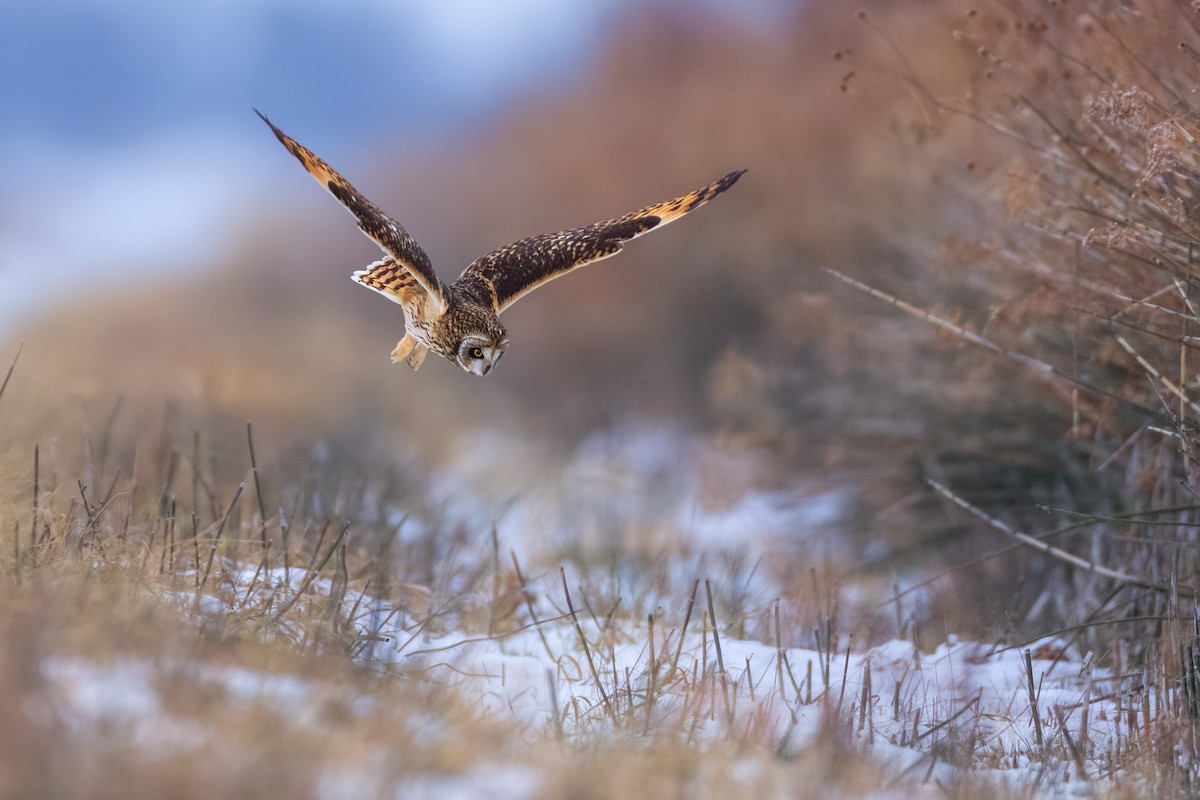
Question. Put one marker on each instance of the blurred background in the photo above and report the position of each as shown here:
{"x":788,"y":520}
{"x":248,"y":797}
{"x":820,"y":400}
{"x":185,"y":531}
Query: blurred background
{"x":132,"y":119}
{"x":134,"y":168}
{"x":169,"y":267}
{"x":195,"y":364}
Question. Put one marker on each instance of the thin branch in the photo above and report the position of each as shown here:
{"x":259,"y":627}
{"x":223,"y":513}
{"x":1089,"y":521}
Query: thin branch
{"x":212,"y":551}
{"x":1163,"y":379}
{"x":966,"y":707}
{"x":314,"y":570}
{"x":262,"y":508}
{"x":495,"y":637}
{"x":11,"y":367}
{"x":1049,"y":550}
{"x":587,"y":651}
{"x":1041,"y":368}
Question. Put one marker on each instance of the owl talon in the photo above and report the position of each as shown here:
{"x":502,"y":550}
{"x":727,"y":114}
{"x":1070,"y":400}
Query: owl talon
{"x":409,"y":350}
{"x":417,"y":357}
{"x":403,"y":349}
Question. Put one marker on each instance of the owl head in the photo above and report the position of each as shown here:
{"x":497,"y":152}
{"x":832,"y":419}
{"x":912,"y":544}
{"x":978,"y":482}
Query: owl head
{"x":478,"y":352}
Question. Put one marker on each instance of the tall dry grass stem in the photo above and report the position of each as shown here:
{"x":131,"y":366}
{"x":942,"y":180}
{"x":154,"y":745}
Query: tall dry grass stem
{"x":587,"y":650}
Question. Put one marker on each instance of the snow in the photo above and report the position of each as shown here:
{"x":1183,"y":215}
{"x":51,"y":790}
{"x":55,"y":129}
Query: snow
{"x":115,"y":696}
{"x":921,"y":715}
{"x":962,"y":692}
{"x":513,"y":676}
{"x":643,"y":491}
{"x":498,"y":781}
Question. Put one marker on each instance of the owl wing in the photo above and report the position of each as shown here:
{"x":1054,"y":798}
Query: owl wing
{"x":406,"y":255}
{"x":392,"y":280}
{"x":508,"y":274}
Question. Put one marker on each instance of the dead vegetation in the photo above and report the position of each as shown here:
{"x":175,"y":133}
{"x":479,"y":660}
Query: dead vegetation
{"x":1014,"y":186}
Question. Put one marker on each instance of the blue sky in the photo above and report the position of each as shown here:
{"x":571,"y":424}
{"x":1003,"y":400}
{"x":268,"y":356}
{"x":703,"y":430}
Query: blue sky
{"x":103,"y":70}
{"x":126,"y":133}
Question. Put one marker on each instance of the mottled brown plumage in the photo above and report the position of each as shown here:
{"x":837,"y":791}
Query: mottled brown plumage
{"x":460,"y":321}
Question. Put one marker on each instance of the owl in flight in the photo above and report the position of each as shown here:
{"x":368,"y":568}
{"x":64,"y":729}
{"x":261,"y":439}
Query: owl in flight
{"x":460,"y":321}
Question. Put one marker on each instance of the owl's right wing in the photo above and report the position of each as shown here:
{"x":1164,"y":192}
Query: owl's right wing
{"x":407,"y":263}
{"x":392,"y":280}
{"x":506,"y":275}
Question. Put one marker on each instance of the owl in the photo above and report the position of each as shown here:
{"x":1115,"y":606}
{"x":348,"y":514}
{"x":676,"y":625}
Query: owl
{"x":460,"y":321}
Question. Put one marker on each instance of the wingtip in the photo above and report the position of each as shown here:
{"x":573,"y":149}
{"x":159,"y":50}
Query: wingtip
{"x":721,"y":184}
{"x":278,"y":133}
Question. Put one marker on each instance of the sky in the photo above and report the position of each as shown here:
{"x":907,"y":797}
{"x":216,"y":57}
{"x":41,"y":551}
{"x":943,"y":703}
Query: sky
{"x":127,"y":139}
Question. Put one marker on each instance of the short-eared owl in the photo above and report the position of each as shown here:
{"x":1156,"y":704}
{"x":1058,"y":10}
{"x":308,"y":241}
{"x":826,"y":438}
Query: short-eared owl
{"x":459,"y":321}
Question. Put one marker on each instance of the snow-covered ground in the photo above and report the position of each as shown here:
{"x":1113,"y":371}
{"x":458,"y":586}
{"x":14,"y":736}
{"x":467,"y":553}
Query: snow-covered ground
{"x":963,"y":706}
{"x":565,"y":656}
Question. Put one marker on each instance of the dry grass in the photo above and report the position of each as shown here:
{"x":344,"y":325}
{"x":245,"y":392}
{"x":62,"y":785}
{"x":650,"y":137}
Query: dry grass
{"x":151,"y":647}
{"x":1091,"y":278}
{"x":1023,"y":175}
{"x":1074,"y":300}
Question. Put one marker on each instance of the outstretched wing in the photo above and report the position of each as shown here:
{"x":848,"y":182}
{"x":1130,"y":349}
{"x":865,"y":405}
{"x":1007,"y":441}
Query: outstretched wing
{"x":508,"y":274}
{"x":384,"y":230}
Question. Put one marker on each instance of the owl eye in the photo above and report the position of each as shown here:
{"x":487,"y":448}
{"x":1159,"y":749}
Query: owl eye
{"x":477,"y":353}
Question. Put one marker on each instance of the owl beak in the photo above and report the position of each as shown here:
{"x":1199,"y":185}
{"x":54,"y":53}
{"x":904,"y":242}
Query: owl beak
{"x":494,"y":357}
{"x":491,"y":355}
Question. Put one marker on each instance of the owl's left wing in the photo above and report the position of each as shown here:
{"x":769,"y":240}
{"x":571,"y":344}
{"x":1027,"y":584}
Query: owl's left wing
{"x":508,"y":274}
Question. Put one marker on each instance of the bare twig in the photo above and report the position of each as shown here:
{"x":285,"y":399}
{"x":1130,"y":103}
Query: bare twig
{"x":494,"y":637}
{"x":1036,"y":544}
{"x":11,"y":367}
{"x":969,"y":704}
{"x":587,"y":651}
{"x":529,"y":606}
{"x":716,"y":636}
{"x":212,"y":550}
{"x":262,"y":507}
{"x":1066,"y":734}
{"x":1040,"y":368}
{"x":314,"y":570}
{"x":33,"y":520}
{"x":1154,"y":373}
{"x":683,"y":631}
{"x":1033,"y":707}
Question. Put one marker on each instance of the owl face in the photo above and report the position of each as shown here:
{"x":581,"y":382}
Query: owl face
{"x":477,"y":354}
